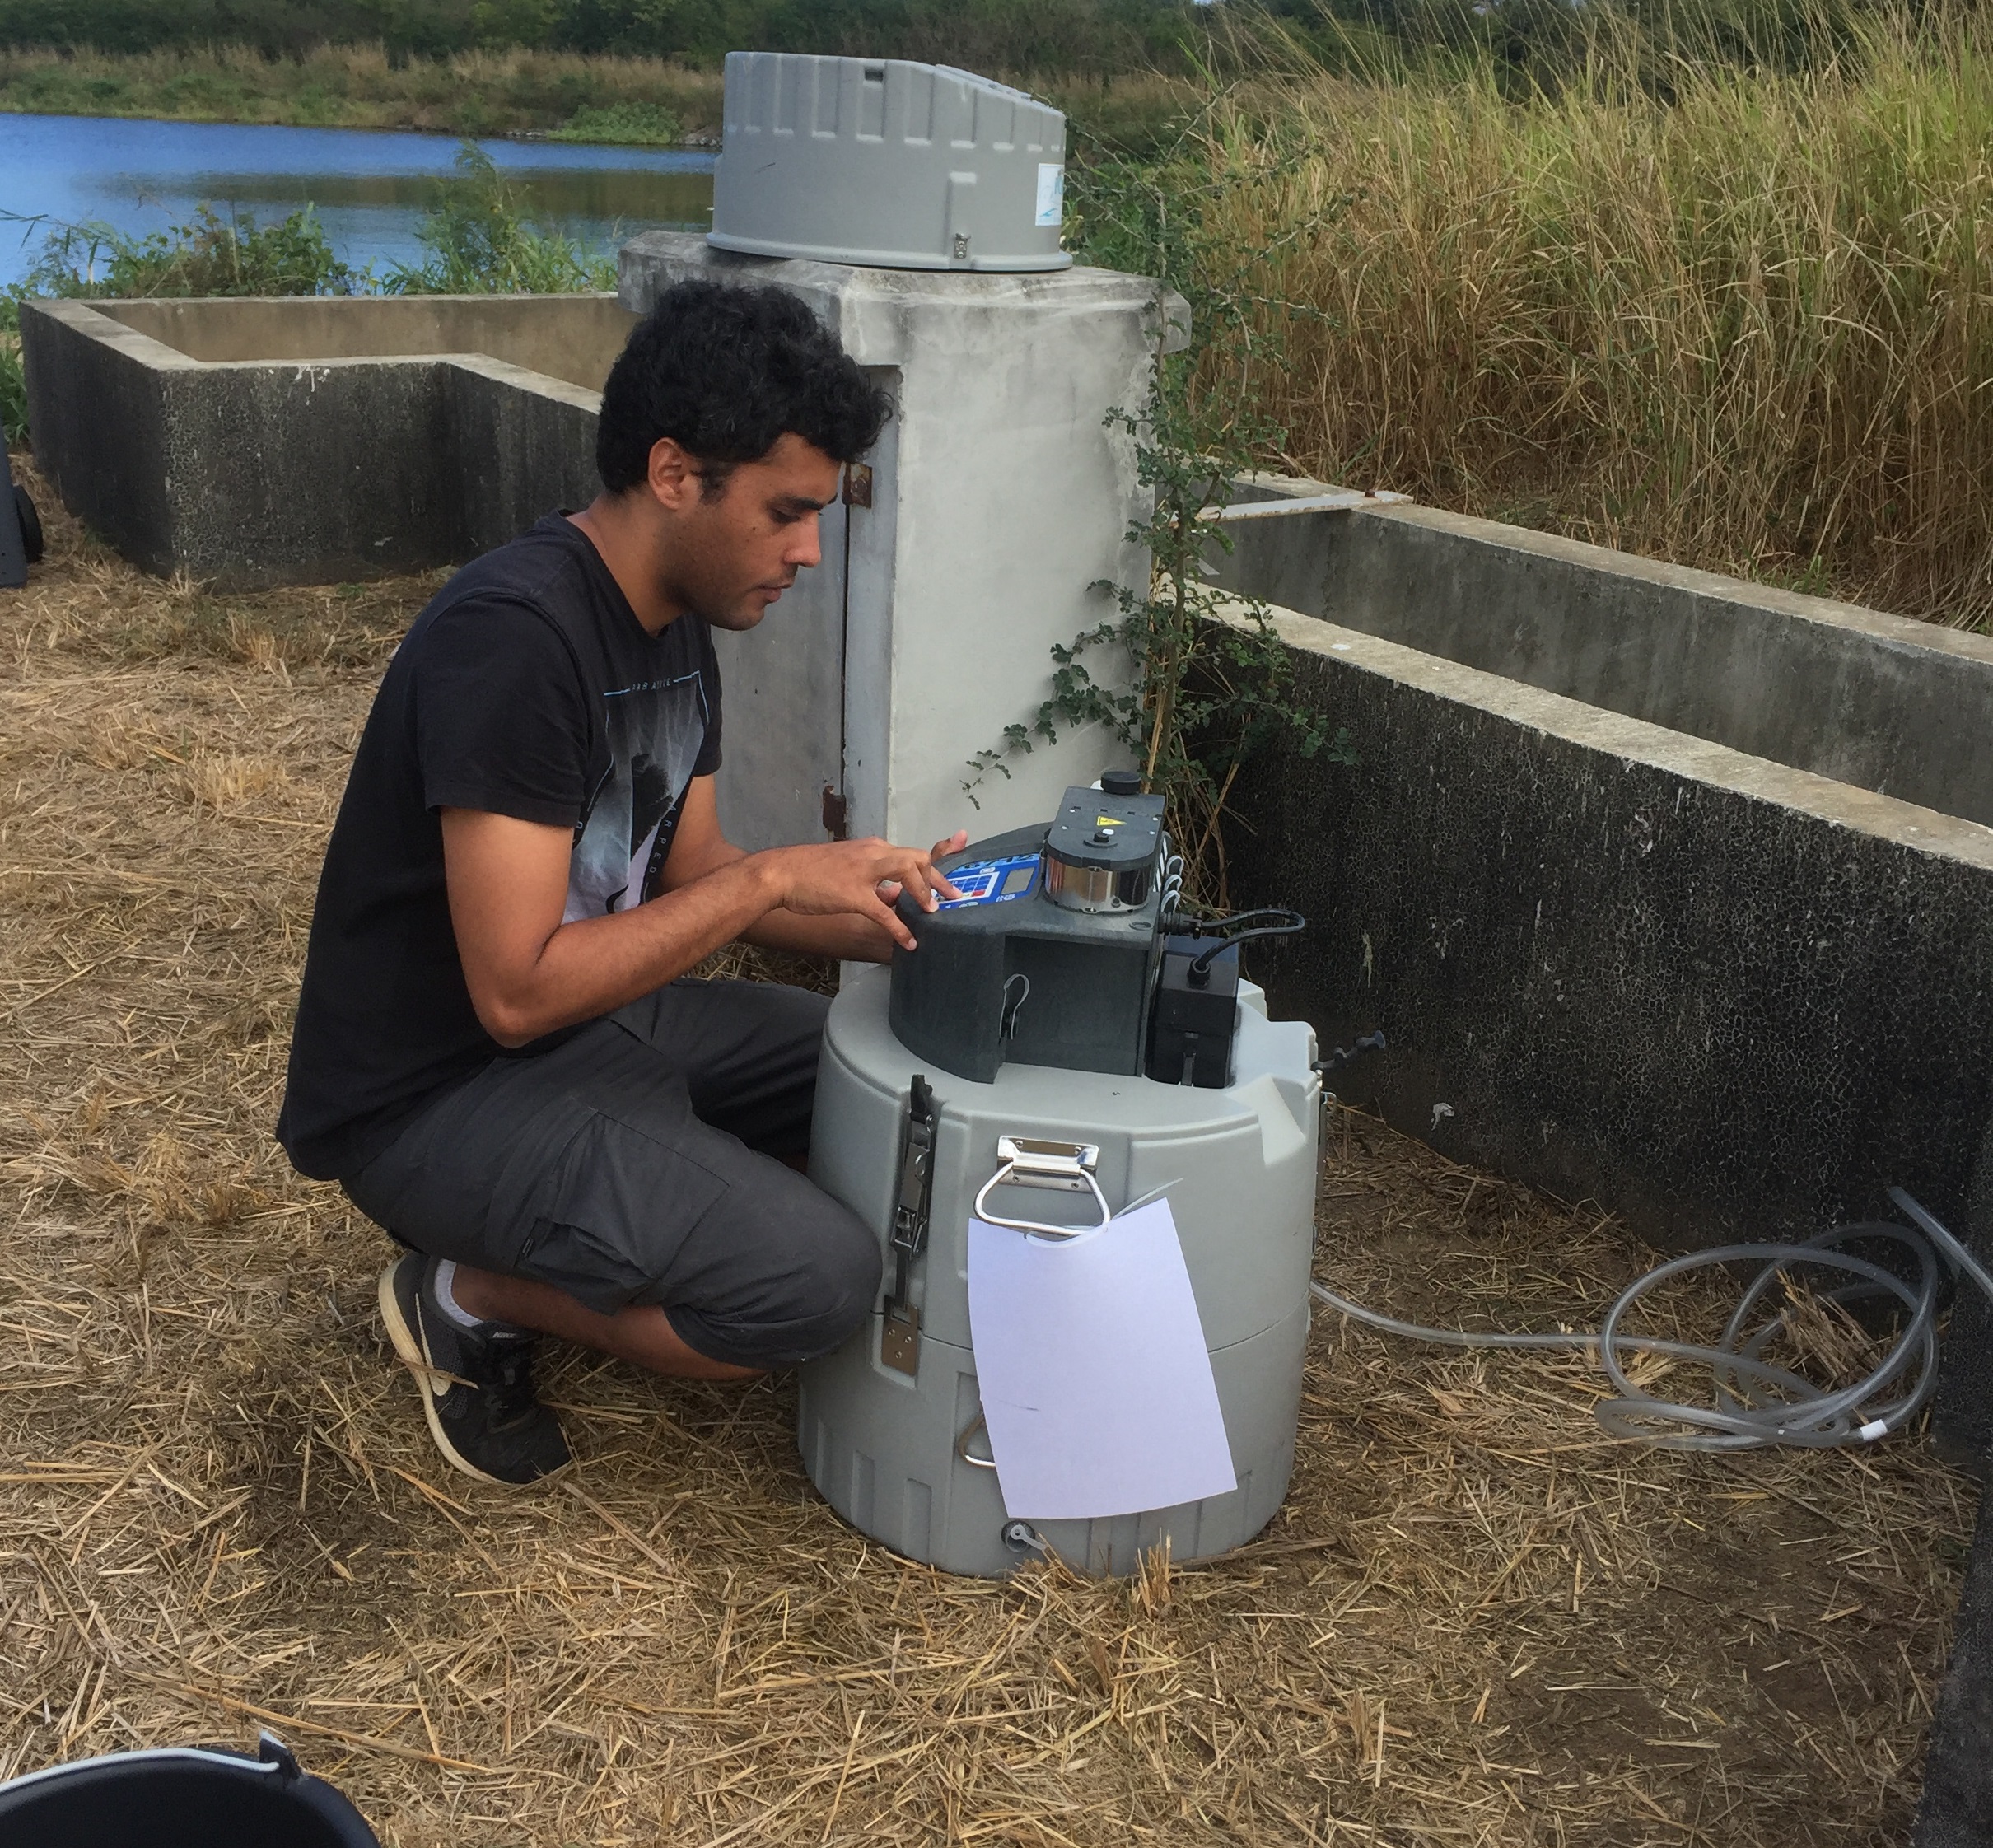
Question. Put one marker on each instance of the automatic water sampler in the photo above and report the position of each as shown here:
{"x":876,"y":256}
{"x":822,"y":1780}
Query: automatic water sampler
{"x":1060,"y":1048}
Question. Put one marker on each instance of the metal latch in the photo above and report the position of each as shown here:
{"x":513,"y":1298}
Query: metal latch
{"x":899,"y":1339}
{"x":1028,"y":1161}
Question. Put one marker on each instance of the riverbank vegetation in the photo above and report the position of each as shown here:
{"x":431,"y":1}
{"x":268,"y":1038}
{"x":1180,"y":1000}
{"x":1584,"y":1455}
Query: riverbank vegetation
{"x":565,"y":95}
{"x":1074,"y":37}
{"x":562,"y":95}
{"x":477,"y":237}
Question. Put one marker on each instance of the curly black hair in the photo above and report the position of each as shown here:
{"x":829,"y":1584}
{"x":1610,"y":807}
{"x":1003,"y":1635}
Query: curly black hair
{"x":724,"y":371}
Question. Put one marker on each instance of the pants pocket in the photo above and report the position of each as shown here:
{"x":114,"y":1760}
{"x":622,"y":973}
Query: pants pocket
{"x":609,"y":1219}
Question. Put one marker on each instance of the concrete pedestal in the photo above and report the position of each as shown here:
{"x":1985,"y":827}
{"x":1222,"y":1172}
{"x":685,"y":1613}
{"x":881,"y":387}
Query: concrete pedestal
{"x":1000,"y":499}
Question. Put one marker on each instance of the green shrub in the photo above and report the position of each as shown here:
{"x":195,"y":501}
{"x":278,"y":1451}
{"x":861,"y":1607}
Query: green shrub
{"x":212,"y":255}
{"x":628,"y":124}
{"x":481,"y":242}
{"x":13,"y":383}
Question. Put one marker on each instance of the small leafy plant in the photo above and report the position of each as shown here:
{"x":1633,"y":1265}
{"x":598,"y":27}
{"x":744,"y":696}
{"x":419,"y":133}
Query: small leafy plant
{"x":1190,"y":678}
{"x":13,"y":382}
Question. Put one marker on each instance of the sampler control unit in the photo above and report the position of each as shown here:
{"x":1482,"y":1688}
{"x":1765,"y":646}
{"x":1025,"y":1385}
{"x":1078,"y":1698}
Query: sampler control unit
{"x":1062,"y":1045}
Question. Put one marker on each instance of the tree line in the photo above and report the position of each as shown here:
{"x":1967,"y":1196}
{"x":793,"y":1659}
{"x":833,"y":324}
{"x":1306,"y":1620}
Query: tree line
{"x":1052,"y":38}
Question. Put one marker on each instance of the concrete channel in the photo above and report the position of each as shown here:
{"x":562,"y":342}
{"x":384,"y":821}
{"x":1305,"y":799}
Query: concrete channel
{"x":317,"y":440}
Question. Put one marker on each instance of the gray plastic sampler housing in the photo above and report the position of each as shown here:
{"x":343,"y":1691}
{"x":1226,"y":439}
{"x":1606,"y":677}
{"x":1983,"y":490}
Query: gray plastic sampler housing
{"x":887,"y":164}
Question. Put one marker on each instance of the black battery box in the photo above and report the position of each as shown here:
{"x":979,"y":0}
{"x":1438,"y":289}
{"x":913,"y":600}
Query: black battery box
{"x":1196,"y":1012}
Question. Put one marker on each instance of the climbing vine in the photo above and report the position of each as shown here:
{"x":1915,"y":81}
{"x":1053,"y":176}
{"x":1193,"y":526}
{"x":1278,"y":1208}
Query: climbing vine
{"x":1188,"y":678}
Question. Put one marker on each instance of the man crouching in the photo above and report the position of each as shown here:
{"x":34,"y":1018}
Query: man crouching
{"x":493,"y":1055}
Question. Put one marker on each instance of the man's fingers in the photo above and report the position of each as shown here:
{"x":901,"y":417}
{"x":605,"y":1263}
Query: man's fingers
{"x":892,"y":923}
{"x":932,"y":879}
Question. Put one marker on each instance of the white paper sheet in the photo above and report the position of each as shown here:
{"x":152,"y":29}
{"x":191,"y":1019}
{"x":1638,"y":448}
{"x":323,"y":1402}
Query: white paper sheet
{"x":1096,"y":1385}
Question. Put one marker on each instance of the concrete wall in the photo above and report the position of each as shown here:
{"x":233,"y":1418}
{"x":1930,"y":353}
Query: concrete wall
{"x":572,"y":337}
{"x":1720,"y":996}
{"x":1886,"y":703}
{"x":254,"y":472}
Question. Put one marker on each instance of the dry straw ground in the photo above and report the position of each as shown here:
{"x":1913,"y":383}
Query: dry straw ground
{"x":1475,"y":1621}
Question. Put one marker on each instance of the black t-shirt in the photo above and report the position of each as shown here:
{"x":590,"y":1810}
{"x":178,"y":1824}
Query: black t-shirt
{"x":526,"y":688}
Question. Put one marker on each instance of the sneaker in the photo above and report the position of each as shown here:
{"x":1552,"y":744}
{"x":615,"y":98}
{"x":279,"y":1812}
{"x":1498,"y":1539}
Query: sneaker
{"x":477,"y":1384}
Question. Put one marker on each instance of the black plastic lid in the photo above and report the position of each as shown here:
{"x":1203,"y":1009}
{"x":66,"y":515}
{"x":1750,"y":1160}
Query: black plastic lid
{"x":1121,"y":783}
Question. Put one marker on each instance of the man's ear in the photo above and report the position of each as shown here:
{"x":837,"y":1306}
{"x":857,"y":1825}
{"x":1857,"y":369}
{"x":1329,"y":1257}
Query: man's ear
{"x":673,"y":476}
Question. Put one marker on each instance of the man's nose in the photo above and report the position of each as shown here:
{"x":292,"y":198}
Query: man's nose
{"x":805,"y":547}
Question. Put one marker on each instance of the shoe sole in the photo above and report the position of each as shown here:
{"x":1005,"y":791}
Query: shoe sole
{"x":414,"y":1355}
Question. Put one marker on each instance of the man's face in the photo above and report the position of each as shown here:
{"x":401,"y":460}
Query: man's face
{"x":733,"y":553}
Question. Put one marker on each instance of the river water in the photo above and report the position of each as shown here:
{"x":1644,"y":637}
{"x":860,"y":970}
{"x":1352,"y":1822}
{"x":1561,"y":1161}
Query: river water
{"x":371,"y":187}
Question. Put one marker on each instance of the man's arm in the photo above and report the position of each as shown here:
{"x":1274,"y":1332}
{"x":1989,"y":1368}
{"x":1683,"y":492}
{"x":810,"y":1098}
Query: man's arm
{"x":529,"y":974}
{"x":699,"y":848}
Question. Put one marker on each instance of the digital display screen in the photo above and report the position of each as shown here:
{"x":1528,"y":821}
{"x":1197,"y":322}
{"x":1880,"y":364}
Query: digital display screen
{"x":985,"y":882}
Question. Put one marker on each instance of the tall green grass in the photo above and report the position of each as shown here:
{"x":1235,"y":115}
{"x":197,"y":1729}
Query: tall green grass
{"x":1742,"y":320}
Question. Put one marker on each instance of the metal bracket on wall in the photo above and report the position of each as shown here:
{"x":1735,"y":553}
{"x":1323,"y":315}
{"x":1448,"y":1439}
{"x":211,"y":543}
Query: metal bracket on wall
{"x":1340,"y":500}
{"x":858,"y":485}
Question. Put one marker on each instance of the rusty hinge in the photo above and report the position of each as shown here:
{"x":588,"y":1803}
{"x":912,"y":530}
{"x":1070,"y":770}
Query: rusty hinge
{"x":858,"y":485}
{"x":837,"y":814}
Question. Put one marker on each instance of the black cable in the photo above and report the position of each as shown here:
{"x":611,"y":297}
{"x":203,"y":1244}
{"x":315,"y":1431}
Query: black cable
{"x":1182,"y":924}
{"x":1292,"y":924}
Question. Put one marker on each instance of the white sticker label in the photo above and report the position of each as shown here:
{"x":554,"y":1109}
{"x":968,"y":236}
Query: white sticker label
{"x":1051,"y":193}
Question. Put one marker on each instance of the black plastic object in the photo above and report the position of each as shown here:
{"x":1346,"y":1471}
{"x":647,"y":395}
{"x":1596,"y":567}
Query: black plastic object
{"x":31,"y":541}
{"x":1101,"y":850}
{"x":181,"y":1797}
{"x":1196,"y":1009}
{"x":1013,"y":976}
{"x":20,"y":529}
{"x":1121,"y":783}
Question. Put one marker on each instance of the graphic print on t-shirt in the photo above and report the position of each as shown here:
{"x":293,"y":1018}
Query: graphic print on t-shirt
{"x":654,"y":732}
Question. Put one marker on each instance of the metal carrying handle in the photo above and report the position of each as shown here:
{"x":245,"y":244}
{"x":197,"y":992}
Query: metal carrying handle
{"x":1023,"y":1161}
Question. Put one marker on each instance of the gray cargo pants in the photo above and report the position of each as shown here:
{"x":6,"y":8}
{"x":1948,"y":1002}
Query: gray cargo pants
{"x":638,"y":1163}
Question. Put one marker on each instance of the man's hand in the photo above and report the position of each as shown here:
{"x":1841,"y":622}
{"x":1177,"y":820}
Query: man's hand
{"x":529,"y":973}
{"x":864,"y":878}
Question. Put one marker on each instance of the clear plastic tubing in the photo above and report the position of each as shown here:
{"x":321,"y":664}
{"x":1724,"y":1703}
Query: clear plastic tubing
{"x":1756,"y":1403}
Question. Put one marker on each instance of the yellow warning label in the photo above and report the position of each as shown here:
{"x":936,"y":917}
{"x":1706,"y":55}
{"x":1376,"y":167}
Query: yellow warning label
{"x":1108,"y":821}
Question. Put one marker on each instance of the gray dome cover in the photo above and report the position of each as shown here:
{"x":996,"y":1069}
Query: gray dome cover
{"x":887,"y":164}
